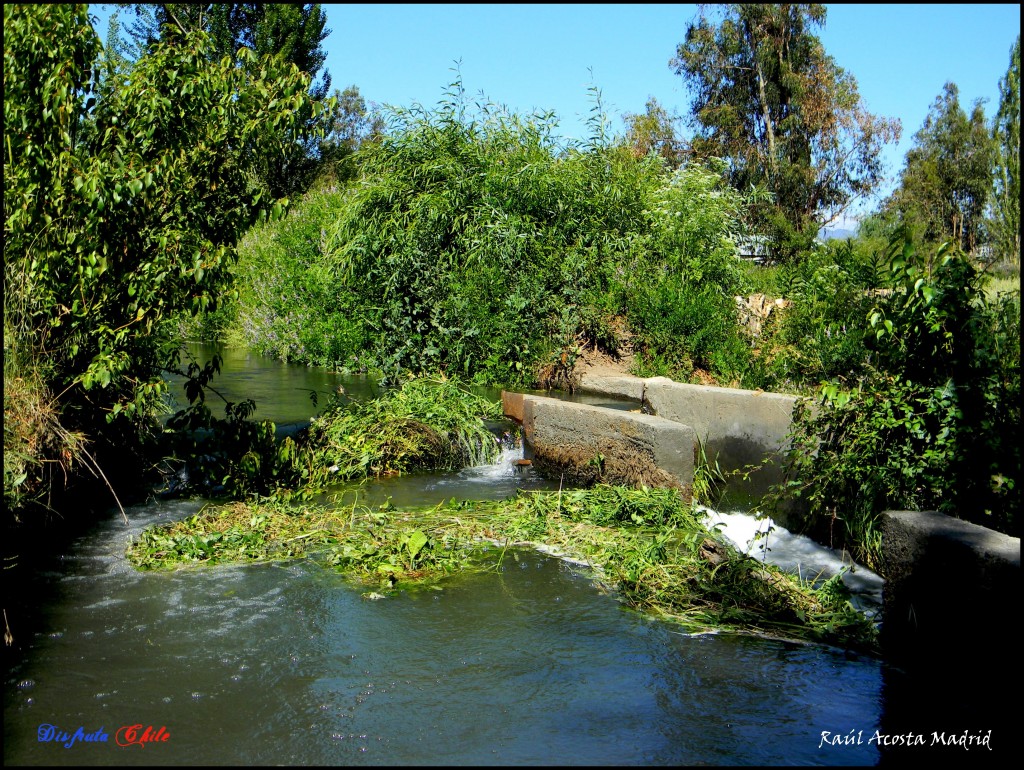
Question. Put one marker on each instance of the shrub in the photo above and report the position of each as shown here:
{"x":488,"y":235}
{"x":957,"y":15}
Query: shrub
{"x":124,"y":194}
{"x":934,"y":424}
{"x":478,"y":246}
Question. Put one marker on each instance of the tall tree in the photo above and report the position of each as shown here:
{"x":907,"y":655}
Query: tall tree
{"x":945,"y":184}
{"x":767,"y":98}
{"x":1005,"y":224}
{"x":293,"y":31}
{"x":123,"y":205}
{"x":349,"y":125}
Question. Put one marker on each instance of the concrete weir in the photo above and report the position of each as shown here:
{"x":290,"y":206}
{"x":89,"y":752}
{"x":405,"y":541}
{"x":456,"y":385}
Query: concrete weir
{"x":741,"y":430}
{"x":585,"y":443}
{"x":931,"y":562}
{"x":945,"y":575}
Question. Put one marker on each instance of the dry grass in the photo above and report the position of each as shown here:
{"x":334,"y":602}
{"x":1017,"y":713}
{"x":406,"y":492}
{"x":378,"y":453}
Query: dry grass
{"x":36,"y":445}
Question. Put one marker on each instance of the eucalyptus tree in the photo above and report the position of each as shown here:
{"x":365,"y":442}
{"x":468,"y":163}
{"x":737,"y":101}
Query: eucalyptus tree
{"x":655,"y":130}
{"x":770,"y":100}
{"x":350,"y":124}
{"x":1005,"y":224}
{"x":945,"y":183}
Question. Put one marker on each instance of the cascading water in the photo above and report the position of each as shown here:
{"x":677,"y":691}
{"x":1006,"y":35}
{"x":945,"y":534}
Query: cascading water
{"x":763,"y":539}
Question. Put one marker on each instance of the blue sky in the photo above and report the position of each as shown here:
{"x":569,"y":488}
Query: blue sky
{"x":545,"y":56}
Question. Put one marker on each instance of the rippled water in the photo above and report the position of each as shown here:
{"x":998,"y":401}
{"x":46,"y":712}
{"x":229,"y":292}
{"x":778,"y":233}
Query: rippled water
{"x":289,"y":664}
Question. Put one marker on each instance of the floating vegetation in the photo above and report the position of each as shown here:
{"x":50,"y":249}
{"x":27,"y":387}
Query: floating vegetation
{"x":647,"y":544}
{"x":425,"y":424}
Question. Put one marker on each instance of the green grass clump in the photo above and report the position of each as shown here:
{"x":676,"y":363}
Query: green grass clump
{"x":646,"y":543}
{"x":425,"y":424}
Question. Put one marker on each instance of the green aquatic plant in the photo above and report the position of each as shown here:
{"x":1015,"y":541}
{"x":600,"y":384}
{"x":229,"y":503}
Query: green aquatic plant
{"x":647,"y":544}
{"x":425,"y":424}
{"x":708,"y":477}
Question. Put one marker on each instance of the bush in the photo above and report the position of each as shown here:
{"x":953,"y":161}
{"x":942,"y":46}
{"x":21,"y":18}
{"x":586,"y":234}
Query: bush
{"x":466,"y":239}
{"x":124,"y":195}
{"x":934,"y":424}
{"x":679,"y":327}
{"x":478,"y":246}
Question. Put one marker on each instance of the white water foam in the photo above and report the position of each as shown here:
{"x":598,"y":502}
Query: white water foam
{"x":797,"y":554}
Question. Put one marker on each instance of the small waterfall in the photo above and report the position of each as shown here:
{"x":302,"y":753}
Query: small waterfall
{"x":797,"y":554}
{"x":503,"y":467}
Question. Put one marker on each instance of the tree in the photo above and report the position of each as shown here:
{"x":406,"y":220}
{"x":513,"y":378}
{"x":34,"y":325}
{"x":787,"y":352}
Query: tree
{"x":293,"y":31}
{"x":1005,"y":223}
{"x":787,"y":118}
{"x":123,"y":205}
{"x":654,"y":130}
{"x":945,"y":184}
{"x":348,"y":126}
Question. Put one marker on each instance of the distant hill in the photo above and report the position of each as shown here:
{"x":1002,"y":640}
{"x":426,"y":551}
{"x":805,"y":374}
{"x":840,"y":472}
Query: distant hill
{"x":831,"y":235}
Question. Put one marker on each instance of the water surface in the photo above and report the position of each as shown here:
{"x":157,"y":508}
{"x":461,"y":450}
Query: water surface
{"x":288,"y":663}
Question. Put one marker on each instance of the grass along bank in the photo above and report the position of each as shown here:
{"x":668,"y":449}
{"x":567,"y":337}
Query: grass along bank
{"x":419,"y":424}
{"x":647,"y":544}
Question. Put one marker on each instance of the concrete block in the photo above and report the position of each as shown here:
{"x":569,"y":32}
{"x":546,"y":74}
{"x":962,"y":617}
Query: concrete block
{"x":512,"y":406}
{"x":740,"y":428}
{"x":589,"y":443}
{"x":625,"y":385}
{"x":947,"y":582}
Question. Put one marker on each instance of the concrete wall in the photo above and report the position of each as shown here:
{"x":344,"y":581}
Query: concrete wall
{"x":739,"y":428}
{"x":590,"y":443}
{"x":949,"y":616}
{"x":945,"y":580}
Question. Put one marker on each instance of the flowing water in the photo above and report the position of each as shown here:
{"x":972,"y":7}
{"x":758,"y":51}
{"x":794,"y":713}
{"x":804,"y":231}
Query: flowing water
{"x":288,"y":664}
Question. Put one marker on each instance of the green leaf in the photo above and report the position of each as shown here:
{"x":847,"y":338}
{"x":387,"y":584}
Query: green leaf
{"x":416,"y":542}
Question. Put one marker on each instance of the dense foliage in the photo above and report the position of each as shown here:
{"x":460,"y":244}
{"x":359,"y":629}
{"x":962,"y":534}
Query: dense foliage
{"x":292,"y":31}
{"x":122,"y":206}
{"x":475,"y":245}
{"x":821,"y":335}
{"x":945,"y":184}
{"x":933,"y":424}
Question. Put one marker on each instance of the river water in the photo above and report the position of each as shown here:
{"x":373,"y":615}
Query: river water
{"x":287,"y":663}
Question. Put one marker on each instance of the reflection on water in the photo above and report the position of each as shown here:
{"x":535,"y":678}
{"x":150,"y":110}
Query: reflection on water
{"x":288,"y":664}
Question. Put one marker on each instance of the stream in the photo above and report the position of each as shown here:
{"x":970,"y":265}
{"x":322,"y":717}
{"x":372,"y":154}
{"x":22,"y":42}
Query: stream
{"x":286,"y":663}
